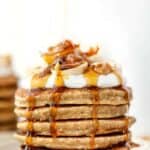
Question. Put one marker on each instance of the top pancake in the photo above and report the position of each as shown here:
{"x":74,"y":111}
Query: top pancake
{"x":109,"y":96}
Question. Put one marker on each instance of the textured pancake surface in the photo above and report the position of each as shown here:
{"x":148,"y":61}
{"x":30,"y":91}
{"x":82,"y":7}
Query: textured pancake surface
{"x":7,"y":92}
{"x":8,"y":80}
{"x":120,"y":146}
{"x":112,"y":148}
{"x":115,"y":147}
{"x":8,"y":85}
{"x":7,"y":126}
{"x":74,"y":112}
{"x":6,"y":104}
{"x":112,"y":96}
{"x":79,"y":127}
{"x":75,"y":142}
{"x":7,"y":116}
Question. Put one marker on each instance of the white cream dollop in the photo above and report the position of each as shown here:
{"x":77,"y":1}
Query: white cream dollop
{"x":25,"y":82}
{"x":109,"y":80}
{"x":75,"y":81}
{"x":79,"y":81}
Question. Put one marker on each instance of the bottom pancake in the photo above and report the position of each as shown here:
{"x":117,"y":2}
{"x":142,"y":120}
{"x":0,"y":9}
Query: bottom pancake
{"x":120,"y":146}
{"x":6,"y":104}
{"x":100,"y":142}
{"x":7,"y":116}
{"x":8,"y":127}
{"x":7,"y":92}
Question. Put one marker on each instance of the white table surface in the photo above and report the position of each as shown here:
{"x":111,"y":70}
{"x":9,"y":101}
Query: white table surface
{"x":8,"y":142}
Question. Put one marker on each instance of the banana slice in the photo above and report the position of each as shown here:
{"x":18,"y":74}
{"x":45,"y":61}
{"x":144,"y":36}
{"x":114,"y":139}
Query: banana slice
{"x":76,"y":70}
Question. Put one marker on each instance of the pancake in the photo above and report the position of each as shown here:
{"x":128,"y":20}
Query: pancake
{"x":78,"y":127}
{"x":6,"y":104}
{"x":74,"y":112}
{"x":5,"y":110}
{"x":110,"y":96}
{"x":112,"y":148}
{"x":7,"y":92}
{"x":10,"y":80}
{"x":75,"y":142}
{"x":120,"y":146}
{"x":7,"y":116}
{"x":7,"y":126}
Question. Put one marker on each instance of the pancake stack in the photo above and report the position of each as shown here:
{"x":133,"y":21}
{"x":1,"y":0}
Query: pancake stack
{"x":8,"y":85}
{"x":78,"y":101}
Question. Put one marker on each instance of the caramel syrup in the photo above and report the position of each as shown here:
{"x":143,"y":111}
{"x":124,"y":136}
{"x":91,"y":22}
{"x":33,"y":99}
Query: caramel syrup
{"x":59,"y":82}
{"x":56,"y":96}
{"x":31,"y":105}
{"x":91,"y":77}
{"x":128,"y":96}
{"x":95,"y":101}
{"x":126,"y":129}
{"x":126,"y":124}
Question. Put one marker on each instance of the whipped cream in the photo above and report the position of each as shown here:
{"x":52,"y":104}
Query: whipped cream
{"x":79,"y":81}
{"x":75,"y":81}
{"x":109,"y":80}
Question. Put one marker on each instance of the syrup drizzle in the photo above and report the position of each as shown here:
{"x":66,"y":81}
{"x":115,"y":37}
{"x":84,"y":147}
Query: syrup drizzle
{"x":126,"y":130}
{"x":31,"y":105}
{"x":56,"y":96}
{"x":126,"y":124}
{"x":128,"y":96}
{"x":95,"y":122}
{"x":59,"y":82}
{"x":91,"y":77}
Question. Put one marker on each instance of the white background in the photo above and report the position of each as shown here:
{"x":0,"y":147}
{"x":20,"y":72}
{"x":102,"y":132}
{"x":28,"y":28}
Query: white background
{"x":120,"y":27}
